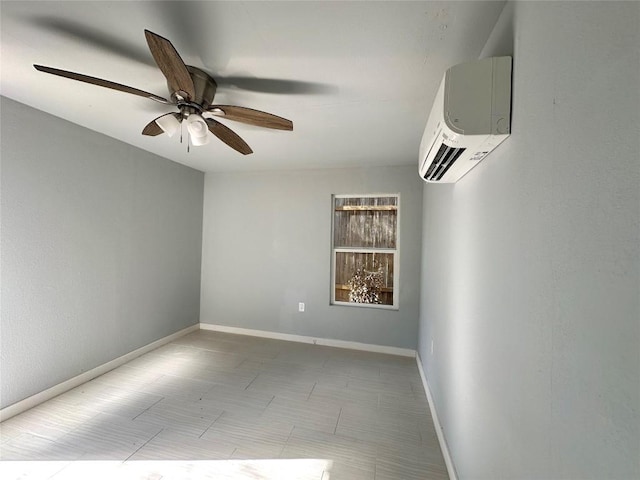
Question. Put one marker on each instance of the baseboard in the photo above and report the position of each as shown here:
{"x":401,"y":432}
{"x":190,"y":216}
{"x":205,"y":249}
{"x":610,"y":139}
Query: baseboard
{"x":434,"y":414}
{"x":327,"y":342}
{"x":84,"y":377}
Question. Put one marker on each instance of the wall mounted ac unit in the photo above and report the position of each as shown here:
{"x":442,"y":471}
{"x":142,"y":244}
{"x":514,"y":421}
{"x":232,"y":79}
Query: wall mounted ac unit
{"x":470,"y":117}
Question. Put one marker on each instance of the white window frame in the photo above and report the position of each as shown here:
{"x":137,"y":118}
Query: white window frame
{"x":395,"y":252}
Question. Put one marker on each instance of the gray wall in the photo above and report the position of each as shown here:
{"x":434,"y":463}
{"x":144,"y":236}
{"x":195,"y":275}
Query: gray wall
{"x":267,"y":246}
{"x":531,"y":280}
{"x":101,"y":249}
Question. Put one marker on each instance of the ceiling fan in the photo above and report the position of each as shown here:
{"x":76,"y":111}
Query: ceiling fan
{"x":191,"y":91}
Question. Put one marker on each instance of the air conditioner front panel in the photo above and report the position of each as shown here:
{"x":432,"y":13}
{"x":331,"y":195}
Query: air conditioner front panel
{"x":470,"y":117}
{"x":467,"y":99}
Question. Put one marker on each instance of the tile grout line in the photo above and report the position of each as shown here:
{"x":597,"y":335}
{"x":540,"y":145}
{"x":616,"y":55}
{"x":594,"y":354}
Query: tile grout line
{"x":289,"y":437}
{"x":210,"y":425}
{"x":337,"y":421}
{"x":267,"y":406}
{"x":141,"y":446}
{"x":312,"y":389}
{"x":252,"y":381}
{"x":146,"y":409}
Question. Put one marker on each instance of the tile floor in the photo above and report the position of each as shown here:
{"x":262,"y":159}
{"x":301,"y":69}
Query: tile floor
{"x":222,"y":406}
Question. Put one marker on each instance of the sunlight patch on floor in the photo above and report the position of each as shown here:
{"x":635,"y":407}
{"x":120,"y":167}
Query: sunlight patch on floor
{"x":272,"y":469}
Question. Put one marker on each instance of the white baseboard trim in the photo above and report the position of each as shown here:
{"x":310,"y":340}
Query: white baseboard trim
{"x":326,"y":342}
{"x":60,"y":388}
{"x":434,"y":414}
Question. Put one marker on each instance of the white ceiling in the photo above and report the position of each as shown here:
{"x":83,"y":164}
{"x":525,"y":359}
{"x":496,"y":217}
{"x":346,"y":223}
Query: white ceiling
{"x":356,"y":78}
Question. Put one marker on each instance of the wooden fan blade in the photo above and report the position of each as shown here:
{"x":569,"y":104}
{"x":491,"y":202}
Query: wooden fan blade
{"x":251,"y":116}
{"x":228,"y":136}
{"x":152,"y":128}
{"x":171,"y":65}
{"x":100,"y":82}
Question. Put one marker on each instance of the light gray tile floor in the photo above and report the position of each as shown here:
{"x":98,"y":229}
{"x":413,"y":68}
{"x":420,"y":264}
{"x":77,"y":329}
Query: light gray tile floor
{"x":223,"y":406}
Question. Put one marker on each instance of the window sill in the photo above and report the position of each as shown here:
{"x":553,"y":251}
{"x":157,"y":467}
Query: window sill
{"x":365,"y":305}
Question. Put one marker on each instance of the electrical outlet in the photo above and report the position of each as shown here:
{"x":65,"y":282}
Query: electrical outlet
{"x":301,"y":307}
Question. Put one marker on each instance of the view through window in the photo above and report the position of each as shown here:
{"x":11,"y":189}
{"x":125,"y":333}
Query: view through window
{"x":365,"y":249}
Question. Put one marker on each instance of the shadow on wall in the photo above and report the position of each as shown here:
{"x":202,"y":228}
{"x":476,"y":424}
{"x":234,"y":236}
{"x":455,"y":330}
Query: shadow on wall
{"x":501,"y":41}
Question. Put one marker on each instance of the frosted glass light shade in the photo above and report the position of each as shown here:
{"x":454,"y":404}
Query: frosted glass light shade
{"x":169,"y":124}
{"x":198,"y":130}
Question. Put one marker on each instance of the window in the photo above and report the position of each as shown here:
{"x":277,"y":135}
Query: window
{"x":365,"y":250}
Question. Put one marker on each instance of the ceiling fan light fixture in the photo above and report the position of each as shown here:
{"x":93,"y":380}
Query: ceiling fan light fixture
{"x":198,"y":130}
{"x":169,"y":124}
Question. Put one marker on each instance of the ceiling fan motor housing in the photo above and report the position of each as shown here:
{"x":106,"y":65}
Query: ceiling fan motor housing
{"x":204,"y":86}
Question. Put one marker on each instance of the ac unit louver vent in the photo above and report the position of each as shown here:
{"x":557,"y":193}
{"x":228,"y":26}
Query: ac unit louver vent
{"x":471,"y":116}
{"x":443,"y":160}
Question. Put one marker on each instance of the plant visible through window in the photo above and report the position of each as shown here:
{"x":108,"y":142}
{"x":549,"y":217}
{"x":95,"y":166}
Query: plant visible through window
{"x":365,"y":286}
